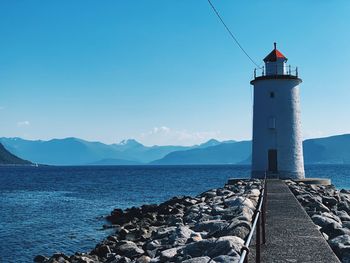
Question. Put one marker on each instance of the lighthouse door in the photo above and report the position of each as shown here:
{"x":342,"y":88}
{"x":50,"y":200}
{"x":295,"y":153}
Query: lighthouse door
{"x":272,"y":160}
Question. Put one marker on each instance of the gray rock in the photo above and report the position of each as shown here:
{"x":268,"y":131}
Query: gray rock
{"x":200,"y":248}
{"x":227,"y":259}
{"x":329,"y":201}
{"x":227,"y":245}
{"x":332,"y":233}
{"x":211,"y":226}
{"x":129,"y":249}
{"x":102,"y":251}
{"x":175,"y":220}
{"x":345,"y":197}
{"x":325,"y":236}
{"x":341,"y":246}
{"x":209,"y":194}
{"x":331,"y":216}
{"x":346,"y":224}
{"x":197,"y":260}
{"x":237,"y":227}
{"x":163,"y":232}
{"x":195,"y":237}
{"x":239,"y":201}
{"x":344,"y":205}
{"x":168,"y":254}
{"x":143,"y":259}
{"x":247,"y":213}
{"x":323,"y":221}
{"x":180,"y":235}
{"x":317,"y":206}
{"x":218,"y":210}
{"x":40,"y":259}
{"x":154,"y":244}
{"x":344,"y":216}
{"x":224,"y":192}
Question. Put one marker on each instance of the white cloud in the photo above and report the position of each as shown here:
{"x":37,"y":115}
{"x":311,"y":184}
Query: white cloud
{"x":23,"y":123}
{"x":165,"y":136}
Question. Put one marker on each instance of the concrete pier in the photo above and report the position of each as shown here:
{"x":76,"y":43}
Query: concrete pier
{"x":291,"y":236}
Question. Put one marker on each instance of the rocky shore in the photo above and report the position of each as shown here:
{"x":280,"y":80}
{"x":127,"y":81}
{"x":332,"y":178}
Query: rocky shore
{"x":210,"y":227}
{"x":329,"y":209}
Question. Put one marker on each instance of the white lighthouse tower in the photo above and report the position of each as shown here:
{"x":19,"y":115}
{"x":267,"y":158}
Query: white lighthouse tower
{"x":277,"y":139}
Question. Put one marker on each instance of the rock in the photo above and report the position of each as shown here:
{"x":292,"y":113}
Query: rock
{"x":223,"y":192}
{"x":197,"y":260}
{"x":239,"y":231}
{"x":317,"y":206}
{"x":123,"y":232}
{"x":86,"y":258}
{"x":133,"y":234}
{"x":341,"y":246}
{"x":154,"y":244}
{"x":143,"y":259}
{"x":163,"y":232}
{"x":346,"y":224}
{"x":118,"y":217}
{"x":40,"y":259}
{"x":208,"y":228}
{"x":331,"y":216}
{"x":227,"y":259}
{"x":118,"y":259}
{"x":129,"y":249}
{"x":247,"y":213}
{"x":325,"y":236}
{"x":180,"y":235}
{"x":198,"y":249}
{"x":59,"y":258}
{"x":209,"y":194}
{"x":113,"y":239}
{"x":323,"y":221}
{"x":155,"y":260}
{"x":102,"y":251}
{"x":175,"y":220}
{"x":227,"y":245}
{"x":343,"y":205}
{"x":239,"y":201}
{"x":237,"y":227}
{"x":218,"y":210}
{"x":344,"y":216}
{"x":334,"y":232}
{"x":195,"y":237}
{"x":329,"y":201}
{"x":211,"y":226}
{"x":168,"y":254}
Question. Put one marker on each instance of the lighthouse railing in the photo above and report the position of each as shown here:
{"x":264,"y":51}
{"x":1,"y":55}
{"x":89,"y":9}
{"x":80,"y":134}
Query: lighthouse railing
{"x":258,"y":226}
{"x":287,"y":70}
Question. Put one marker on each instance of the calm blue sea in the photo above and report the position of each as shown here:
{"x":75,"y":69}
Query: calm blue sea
{"x":44,"y":210}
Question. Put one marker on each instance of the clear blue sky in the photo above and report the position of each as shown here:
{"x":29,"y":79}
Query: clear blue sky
{"x":164,"y":71}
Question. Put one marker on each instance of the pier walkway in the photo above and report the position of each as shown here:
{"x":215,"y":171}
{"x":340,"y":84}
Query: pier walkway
{"x":291,"y":236}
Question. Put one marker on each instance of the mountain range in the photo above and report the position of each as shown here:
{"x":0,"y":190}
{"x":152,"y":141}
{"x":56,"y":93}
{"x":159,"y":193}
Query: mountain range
{"x":74,"y":151}
{"x":7,"y":158}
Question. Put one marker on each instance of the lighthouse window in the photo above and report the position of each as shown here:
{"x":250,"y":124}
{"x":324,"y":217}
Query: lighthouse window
{"x":272,"y":94}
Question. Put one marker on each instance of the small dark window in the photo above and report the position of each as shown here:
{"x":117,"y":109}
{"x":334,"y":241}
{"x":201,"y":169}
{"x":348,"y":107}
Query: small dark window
{"x":272,"y":94}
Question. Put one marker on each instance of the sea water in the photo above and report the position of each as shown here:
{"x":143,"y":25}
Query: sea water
{"x":44,"y":210}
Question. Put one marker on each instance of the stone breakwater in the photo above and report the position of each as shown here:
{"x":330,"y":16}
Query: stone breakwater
{"x":329,"y":209}
{"x":210,"y":227}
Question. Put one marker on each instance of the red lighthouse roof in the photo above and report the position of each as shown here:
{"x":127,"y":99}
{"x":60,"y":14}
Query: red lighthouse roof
{"x":274,"y":55}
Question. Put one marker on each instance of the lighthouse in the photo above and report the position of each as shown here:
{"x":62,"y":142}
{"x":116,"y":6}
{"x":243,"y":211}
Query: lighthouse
{"x":277,"y":140}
